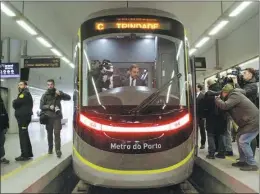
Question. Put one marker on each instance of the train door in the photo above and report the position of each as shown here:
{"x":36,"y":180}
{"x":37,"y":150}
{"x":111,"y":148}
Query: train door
{"x":192,"y":74}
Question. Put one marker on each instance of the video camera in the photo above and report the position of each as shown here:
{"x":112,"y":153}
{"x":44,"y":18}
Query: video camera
{"x":101,"y":72}
{"x":228,"y":79}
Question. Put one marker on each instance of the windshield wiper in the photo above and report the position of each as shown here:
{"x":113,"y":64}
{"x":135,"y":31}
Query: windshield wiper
{"x":150,"y":99}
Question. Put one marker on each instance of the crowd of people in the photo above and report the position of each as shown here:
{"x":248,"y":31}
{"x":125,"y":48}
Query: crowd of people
{"x":50,"y":106}
{"x":226,"y":109}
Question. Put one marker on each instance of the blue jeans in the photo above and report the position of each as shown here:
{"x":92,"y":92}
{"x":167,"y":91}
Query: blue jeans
{"x":228,"y":138}
{"x":244,"y":148}
{"x":212,"y":144}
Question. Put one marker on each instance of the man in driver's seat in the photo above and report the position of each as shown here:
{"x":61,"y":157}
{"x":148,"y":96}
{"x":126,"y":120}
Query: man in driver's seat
{"x":133,"y":79}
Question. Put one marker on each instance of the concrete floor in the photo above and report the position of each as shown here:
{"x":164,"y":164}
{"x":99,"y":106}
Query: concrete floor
{"x":38,"y":136}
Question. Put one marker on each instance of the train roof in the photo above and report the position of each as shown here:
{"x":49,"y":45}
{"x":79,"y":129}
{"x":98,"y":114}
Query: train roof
{"x":132,"y":11}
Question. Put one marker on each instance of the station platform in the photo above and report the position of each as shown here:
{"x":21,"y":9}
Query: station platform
{"x":232,"y":177}
{"x":33,"y":175}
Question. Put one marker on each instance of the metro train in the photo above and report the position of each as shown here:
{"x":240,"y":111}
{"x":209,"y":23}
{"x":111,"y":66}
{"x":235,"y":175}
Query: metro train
{"x":140,"y":136}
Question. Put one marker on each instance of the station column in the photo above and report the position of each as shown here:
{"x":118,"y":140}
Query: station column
{"x":12,"y":53}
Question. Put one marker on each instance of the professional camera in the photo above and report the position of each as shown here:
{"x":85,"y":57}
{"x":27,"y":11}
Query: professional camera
{"x":228,"y":79}
{"x":101,"y":73}
{"x":57,"y":110}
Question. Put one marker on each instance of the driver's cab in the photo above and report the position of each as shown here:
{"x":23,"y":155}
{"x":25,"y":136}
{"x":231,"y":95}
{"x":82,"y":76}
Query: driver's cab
{"x":125,"y":70}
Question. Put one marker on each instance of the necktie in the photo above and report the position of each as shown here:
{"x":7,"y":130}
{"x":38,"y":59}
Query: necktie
{"x":132,"y":83}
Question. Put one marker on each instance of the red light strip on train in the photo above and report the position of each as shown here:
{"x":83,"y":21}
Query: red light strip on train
{"x":107,"y":128}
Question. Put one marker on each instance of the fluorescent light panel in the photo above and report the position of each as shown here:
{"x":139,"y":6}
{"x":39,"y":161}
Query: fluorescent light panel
{"x":6,"y":10}
{"x":72,"y":65}
{"x":239,"y":8}
{"x":192,"y":51}
{"x":202,"y":42}
{"x":218,"y":27}
{"x":56,"y":52}
{"x":44,"y":42}
{"x":65,"y":59}
{"x":25,"y":26}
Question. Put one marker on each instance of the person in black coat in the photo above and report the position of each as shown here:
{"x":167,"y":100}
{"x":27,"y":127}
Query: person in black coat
{"x":200,"y":114}
{"x":4,"y":124}
{"x":23,"y":106}
{"x":216,"y":121}
{"x":50,"y":105}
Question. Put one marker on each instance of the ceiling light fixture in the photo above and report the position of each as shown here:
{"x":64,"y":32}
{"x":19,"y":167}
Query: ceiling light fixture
{"x":44,"y":42}
{"x":202,"y":42}
{"x":65,"y":59}
{"x":25,"y":26}
{"x":6,"y":10}
{"x":218,"y":27}
{"x":72,"y":65}
{"x":2,"y":80}
{"x":192,"y":51}
{"x":240,"y":8}
{"x":56,"y":52}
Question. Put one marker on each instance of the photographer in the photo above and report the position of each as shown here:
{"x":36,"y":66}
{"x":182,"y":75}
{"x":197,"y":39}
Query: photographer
{"x":246,"y":116}
{"x":50,"y":105}
{"x":249,"y":84}
{"x":250,"y":88}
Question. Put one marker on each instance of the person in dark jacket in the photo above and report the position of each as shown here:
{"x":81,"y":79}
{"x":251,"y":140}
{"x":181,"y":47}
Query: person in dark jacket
{"x":251,"y":92}
{"x":4,"y":124}
{"x":246,"y":116}
{"x":216,"y":122}
{"x":50,"y":104}
{"x":249,"y":85}
{"x":23,"y":106}
{"x":200,"y":115}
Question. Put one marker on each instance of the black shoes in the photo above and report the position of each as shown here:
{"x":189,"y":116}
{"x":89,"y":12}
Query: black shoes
{"x":245,"y":167}
{"x":58,"y":152}
{"x":21,"y":158}
{"x":202,"y":147}
{"x":248,"y":167}
{"x":210,"y":156}
{"x":229,"y":153}
{"x":50,"y":151}
{"x":239,"y":164}
{"x":5,"y":161}
{"x":220,"y":155}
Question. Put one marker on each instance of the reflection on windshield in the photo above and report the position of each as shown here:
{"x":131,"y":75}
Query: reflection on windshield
{"x":124,"y":72}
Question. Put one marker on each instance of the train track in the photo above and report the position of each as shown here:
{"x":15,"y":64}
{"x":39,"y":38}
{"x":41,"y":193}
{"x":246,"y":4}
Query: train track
{"x":183,"y":188}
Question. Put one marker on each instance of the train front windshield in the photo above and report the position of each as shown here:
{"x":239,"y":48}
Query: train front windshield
{"x":119,"y":73}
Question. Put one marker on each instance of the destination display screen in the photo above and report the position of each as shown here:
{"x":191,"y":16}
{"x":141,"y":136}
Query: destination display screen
{"x":113,"y":24}
{"x":132,"y":23}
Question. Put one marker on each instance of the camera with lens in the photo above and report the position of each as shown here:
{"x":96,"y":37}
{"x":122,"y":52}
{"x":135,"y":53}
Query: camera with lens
{"x":228,"y":79}
{"x":57,"y":110}
{"x":100,"y":73}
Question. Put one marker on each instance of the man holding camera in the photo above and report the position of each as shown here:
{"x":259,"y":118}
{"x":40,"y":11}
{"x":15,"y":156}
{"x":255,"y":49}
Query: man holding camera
{"x":250,"y":88}
{"x":246,"y":116}
{"x":51,"y":106}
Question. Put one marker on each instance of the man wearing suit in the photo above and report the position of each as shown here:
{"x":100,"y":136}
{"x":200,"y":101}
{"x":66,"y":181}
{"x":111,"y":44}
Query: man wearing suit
{"x":133,"y":79}
{"x":200,"y":110}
